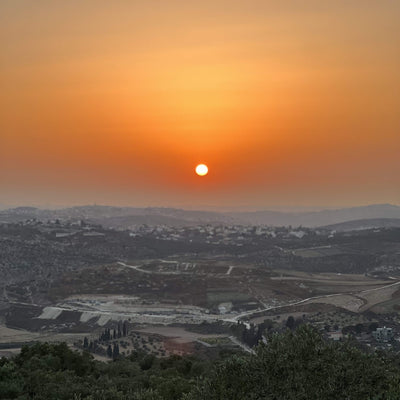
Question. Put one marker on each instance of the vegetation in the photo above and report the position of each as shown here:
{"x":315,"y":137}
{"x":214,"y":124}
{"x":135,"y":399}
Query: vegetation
{"x":296,"y":365}
{"x":300,"y":365}
{"x":53,"y":371}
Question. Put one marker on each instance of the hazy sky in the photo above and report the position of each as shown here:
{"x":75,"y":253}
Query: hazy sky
{"x":115,"y":102}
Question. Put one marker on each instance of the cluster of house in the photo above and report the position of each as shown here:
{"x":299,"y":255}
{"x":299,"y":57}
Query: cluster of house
{"x":222,"y":234}
{"x":381,"y":335}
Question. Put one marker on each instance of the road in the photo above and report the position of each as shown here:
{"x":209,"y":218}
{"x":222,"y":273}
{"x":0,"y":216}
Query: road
{"x":249,"y":313}
{"x":145,"y":271}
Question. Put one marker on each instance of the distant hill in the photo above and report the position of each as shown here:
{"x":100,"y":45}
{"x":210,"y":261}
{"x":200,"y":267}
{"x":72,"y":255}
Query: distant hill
{"x":319,"y":218}
{"x":125,"y":222}
{"x":123,"y":217}
{"x":119,"y":217}
{"x":362,"y":224}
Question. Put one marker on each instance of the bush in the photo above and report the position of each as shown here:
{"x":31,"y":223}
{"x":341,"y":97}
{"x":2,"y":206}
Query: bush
{"x":295,"y":365}
{"x":300,"y":365}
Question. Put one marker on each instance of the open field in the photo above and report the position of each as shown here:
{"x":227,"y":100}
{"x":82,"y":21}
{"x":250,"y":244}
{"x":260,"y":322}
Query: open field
{"x":158,"y":339}
{"x":320,"y":251}
{"x":180,"y":335}
{"x":353,"y":301}
{"x":88,"y":298}
{"x":360,"y":300}
{"x":64,"y":281}
{"x":327,"y":277}
{"x":11,"y":340}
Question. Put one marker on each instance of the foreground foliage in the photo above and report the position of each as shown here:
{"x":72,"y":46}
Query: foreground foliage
{"x":296,"y":365}
{"x":302,"y":366}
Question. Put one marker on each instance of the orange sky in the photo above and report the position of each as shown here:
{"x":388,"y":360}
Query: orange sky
{"x":289,"y":102}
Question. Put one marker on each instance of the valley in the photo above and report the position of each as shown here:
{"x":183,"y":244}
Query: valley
{"x":65,"y":280}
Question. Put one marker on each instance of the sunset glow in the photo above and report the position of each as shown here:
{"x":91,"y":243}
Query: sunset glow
{"x":291,"y":102}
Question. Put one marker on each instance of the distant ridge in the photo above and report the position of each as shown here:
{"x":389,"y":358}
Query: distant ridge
{"x":362,"y":224}
{"x":119,"y":217}
{"x":320,"y":218}
{"x":124,"y":217}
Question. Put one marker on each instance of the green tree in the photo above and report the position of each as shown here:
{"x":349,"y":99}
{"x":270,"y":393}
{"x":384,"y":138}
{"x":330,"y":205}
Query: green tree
{"x":290,"y":322}
{"x":300,"y":365}
{"x":109,"y":351}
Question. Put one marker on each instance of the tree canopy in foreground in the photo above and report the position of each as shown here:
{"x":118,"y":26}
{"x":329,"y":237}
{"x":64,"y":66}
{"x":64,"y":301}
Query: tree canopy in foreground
{"x":296,"y":365}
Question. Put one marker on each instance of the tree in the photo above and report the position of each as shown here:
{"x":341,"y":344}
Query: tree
{"x":115,"y":352}
{"x":146,"y":362}
{"x":296,"y":365}
{"x":125,"y":329}
{"x":359,"y":328}
{"x":268,"y":324}
{"x":119,"y":329}
{"x":109,"y":351}
{"x":300,"y":365}
{"x":373,"y":326}
{"x":290,"y":322}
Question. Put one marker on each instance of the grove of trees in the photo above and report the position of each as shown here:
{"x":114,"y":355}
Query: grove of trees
{"x":294,"y":365}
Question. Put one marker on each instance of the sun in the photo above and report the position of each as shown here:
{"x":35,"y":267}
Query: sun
{"x":202,"y":170}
